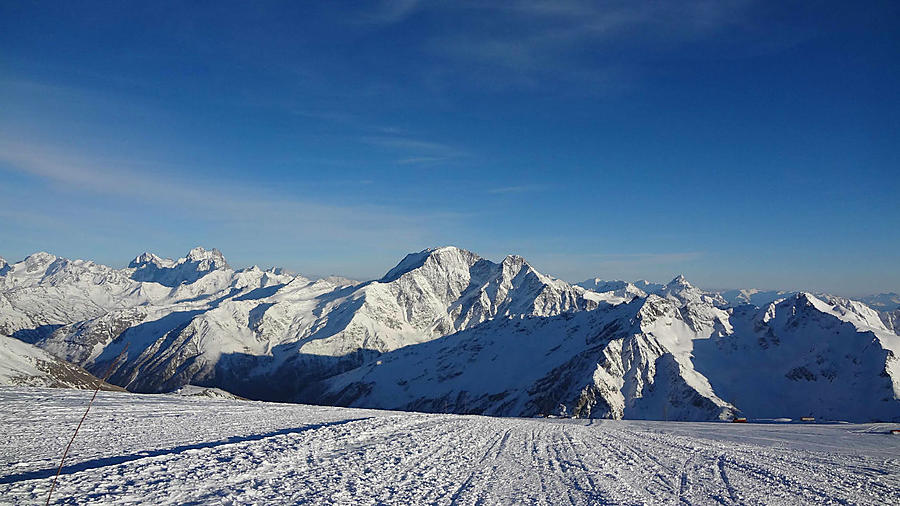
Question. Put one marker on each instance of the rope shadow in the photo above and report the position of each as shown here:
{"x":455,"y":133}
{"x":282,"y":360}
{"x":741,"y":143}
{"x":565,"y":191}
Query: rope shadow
{"x":121,"y":459}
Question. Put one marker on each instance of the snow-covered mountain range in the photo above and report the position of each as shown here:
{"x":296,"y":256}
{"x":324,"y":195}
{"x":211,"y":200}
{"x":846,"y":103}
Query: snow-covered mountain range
{"x":446,"y":330}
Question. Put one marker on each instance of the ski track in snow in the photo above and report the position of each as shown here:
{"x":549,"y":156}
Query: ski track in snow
{"x":161,"y":449}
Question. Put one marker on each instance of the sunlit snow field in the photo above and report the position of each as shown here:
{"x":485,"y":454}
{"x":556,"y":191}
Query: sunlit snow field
{"x":173,"y":450}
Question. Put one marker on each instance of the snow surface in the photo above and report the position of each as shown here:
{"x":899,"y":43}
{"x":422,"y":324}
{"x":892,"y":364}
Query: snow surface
{"x":164,"y":449}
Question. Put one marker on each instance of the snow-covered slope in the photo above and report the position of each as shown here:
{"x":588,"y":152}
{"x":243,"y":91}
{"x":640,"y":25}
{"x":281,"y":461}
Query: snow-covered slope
{"x":891,"y":320}
{"x":805,"y":356}
{"x":440,"y":291}
{"x":24,"y":364}
{"x":612,"y":362}
{"x":675,"y":355}
{"x":428,"y":295}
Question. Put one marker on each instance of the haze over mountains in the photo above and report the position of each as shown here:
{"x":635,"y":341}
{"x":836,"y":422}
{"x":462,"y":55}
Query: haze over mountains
{"x":446,"y":330}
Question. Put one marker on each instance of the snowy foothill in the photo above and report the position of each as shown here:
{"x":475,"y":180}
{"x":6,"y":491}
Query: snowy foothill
{"x":24,"y":364}
{"x":175,"y":449}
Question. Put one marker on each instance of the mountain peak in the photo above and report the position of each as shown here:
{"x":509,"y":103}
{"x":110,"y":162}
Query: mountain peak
{"x":447,"y":248}
{"x":680,"y":280}
{"x":199,"y":254}
{"x":515,"y":260}
{"x":445,"y":256}
{"x":146,"y":258}
{"x":204,"y":260}
{"x":39,"y":261}
{"x":40,"y":257}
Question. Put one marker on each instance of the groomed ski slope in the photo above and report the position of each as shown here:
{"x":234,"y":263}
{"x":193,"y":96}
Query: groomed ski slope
{"x":166,"y":449}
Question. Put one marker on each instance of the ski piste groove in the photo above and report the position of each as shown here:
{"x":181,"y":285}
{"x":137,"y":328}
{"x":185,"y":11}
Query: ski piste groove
{"x":365,"y":456}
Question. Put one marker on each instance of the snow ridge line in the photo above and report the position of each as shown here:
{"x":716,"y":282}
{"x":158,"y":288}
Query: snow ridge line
{"x":122,"y":459}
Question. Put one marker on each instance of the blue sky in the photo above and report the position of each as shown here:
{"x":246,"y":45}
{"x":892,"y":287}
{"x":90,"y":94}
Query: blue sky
{"x":740,"y":143}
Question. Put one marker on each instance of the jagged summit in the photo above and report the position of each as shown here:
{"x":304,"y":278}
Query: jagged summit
{"x":454,"y":274}
{"x":436,"y":292}
{"x":196,"y":255}
{"x":196,"y":264}
{"x":680,"y":287}
{"x":214,"y":257}
{"x":680,"y":280}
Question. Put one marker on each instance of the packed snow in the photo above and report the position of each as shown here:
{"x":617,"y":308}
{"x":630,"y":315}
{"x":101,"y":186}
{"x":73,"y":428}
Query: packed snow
{"x":168,"y":449}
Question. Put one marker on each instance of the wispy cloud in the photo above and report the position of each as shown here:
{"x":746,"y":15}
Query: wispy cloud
{"x":406,"y":143}
{"x":527,"y":42}
{"x":422,"y":160}
{"x":389,"y":11}
{"x":517,"y":189}
{"x":238,"y":203}
{"x":412,"y":151}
